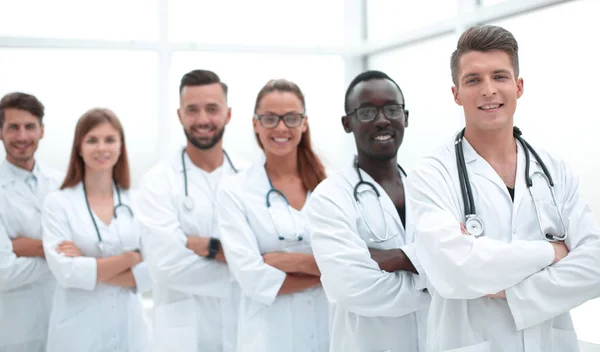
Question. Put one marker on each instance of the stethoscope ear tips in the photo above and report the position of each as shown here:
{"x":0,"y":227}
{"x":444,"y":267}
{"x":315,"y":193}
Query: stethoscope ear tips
{"x":299,"y":238}
{"x":281,"y":238}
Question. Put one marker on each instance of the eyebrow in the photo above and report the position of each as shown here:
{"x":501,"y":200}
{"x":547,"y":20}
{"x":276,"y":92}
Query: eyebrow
{"x":387,"y":102}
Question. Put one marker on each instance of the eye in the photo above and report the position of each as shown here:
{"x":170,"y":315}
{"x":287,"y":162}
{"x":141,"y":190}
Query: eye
{"x":30,"y":126}
{"x":212,"y":109}
{"x":472,"y":80}
{"x":501,"y":77}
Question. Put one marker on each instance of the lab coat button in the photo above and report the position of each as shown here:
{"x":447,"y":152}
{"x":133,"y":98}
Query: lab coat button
{"x":515,"y":232}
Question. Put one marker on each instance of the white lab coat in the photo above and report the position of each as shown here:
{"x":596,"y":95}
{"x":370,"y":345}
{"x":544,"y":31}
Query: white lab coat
{"x":372,"y":310}
{"x":268,"y":322}
{"x":26,"y":284}
{"x":88,"y":315}
{"x":512,"y":256}
{"x":195,"y":299}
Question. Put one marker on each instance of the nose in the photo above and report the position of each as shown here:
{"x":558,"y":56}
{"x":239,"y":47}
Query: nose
{"x":21,"y":134}
{"x":488,"y":88}
{"x":380,"y":119}
{"x":280,"y":126}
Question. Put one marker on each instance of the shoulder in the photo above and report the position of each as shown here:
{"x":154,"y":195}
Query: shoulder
{"x":157,"y":175}
{"x":243,"y":179}
{"x":442,"y":158}
{"x":52,"y":174}
{"x":60,"y":198}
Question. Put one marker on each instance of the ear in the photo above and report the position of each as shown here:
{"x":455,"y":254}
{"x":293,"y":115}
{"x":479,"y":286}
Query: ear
{"x":406,"y":118}
{"x":255,"y":124}
{"x":520,"y":87}
{"x":42,"y":131}
{"x":455,"y":94}
{"x":304,"y":124}
{"x":179,"y":115}
{"x":228,"y":116}
{"x":346,"y":124}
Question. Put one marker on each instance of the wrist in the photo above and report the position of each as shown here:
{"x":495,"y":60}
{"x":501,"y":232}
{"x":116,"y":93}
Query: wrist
{"x":213,"y":247}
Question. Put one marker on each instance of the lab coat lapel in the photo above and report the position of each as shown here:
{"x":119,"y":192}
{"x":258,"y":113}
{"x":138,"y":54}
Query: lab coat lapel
{"x":477,"y":164}
{"x":388,"y":206}
{"x":520,"y":185}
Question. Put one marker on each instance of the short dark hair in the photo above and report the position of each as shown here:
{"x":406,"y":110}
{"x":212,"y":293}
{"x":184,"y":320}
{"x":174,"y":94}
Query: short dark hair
{"x":21,"y":101}
{"x":484,"y":38}
{"x":367,"y":76}
{"x":201,"y":78}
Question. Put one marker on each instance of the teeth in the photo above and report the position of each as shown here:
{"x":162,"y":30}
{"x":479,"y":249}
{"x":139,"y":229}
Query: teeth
{"x":384,"y":137}
{"x":490,"y":106}
{"x":281,"y":140}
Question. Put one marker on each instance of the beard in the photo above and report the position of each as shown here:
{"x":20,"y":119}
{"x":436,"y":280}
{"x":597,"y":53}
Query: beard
{"x":204,"y":143}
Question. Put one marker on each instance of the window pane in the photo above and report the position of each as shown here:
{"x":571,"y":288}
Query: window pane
{"x":387,"y":19}
{"x":423,"y":73}
{"x":321,"y":79}
{"x":558,"y":64}
{"x":70,"y":82}
{"x":265,"y":22}
{"x":108,"y":19}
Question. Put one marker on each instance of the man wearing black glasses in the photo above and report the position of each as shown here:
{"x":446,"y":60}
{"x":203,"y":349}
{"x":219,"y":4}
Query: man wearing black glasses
{"x":362,"y":236}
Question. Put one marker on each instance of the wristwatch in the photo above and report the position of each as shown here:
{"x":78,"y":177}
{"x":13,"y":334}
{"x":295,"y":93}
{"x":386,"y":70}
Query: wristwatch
{"x":213,"y":247}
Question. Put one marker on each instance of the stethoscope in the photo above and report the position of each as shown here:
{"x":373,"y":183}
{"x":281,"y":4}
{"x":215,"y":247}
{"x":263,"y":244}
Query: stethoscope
{"x":188,"y":201}
{"x":119,"y":205}
{"x":273,"y":190}
{"x":473,"y":223}
{"x":374,"y":236}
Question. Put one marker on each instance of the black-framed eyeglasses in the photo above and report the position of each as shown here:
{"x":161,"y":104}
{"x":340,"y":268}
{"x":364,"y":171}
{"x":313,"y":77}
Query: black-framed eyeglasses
{"x":368,"y":113}
{"x":291,"y":119}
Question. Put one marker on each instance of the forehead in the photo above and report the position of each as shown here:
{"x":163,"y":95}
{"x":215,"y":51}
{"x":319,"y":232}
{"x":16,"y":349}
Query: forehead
{"x":478,"y":62}
{"x":103,"y":129}
{"x":203,"y":95}
{"x":18,"y":116}
{"x":280,"y":103}
{"x":374,"y":92}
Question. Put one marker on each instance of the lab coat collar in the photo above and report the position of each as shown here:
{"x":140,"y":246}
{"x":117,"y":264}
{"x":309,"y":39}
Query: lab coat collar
{"x":483,"y":168}
{"x":10,"y":173}
{"x":351,"y":176}
{"x":189,"y":165}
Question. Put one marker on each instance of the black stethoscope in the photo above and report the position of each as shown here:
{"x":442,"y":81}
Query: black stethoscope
{"x":374,"y":236}
{"x":473,"y":223}
{"x":273,"y":190}
{"x":119,"y":205}
{"x":188,"y":201}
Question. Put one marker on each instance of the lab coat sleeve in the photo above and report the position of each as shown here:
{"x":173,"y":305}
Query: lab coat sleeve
{"x":574,"y":279}
{"x":460,"y":266}
{"x":259,"y":281}
{"x":17,"y":271}
{"x":78,"y":272}
{"x":169,"y":261}
{"x":141,"y":272}
{"x":350,"y":277}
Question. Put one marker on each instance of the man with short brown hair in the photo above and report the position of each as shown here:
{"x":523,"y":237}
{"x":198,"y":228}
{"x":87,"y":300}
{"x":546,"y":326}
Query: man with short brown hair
{"x":506,"y":241}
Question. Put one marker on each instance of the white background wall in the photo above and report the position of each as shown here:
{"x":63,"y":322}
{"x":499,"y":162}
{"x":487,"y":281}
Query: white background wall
{"x":249,"y":42}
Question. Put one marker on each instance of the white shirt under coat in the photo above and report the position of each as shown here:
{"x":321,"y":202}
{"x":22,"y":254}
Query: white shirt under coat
{"x":26,"y":284}
{"x":372,"y":310}
{"x":88,"y":315}
{"x":195,"y":298}
{"x":512,"y":256}
{"x":268,"y":322}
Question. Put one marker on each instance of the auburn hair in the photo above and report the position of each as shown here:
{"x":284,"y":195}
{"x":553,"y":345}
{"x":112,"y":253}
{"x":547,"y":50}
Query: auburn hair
{"x":86,"y":123}
{"x":310,"y":167}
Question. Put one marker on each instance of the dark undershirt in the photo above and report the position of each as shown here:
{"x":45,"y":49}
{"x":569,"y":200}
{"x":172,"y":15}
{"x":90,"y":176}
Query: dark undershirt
{"x":511,"y":191}
{"x":402,"y":213}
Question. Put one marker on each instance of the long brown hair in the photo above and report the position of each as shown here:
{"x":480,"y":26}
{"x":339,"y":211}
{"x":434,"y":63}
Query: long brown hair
{"x":86,"y":123}
{"x":310,"y":167}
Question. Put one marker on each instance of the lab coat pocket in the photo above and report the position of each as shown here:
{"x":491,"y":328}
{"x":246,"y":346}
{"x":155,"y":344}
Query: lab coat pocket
{"x":479,"y":347}
{"x":174,"y":327}
{"x":564,"y":340}
{"x":254,"y":308}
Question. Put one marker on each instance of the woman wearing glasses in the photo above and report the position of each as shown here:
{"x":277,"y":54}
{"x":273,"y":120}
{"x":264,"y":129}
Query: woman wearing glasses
{"x":91,"y":243}
{"x":265,"y":233}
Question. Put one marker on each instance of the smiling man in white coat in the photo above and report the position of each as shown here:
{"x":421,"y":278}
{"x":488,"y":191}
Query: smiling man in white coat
{"x":362,"y":230}
{"x":532,"y":248}
{"x":195,"y":298}
{"x":26,"y":284}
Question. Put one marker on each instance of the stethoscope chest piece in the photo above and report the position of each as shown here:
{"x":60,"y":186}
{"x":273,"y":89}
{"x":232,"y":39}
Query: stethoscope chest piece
{"x":188,"y":203}
{"x":474,"y":225}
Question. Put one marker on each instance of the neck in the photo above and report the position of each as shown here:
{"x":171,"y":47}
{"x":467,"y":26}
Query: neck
{"x":282,"y":166}
{"x":206,"y":159}
{"x":23,"y":164}
{"x":493,"y":145}
{"x":98,"y":183}
{"x":380,"y":170}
